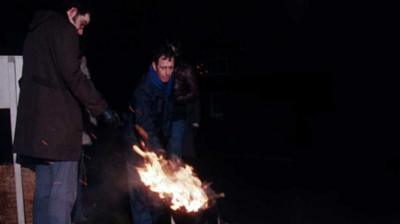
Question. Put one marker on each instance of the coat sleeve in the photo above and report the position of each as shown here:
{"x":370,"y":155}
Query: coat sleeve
{"x":66,"y":52}
{"x":142,"y":105}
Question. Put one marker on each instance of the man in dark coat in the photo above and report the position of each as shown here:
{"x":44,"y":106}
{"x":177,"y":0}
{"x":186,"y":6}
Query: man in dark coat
{"x":49,"y":119}
{"x":186,"y":112}
{"x":152,"y":102}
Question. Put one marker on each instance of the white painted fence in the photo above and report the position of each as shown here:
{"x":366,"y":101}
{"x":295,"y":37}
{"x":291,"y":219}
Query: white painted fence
{"x":10,"y":73}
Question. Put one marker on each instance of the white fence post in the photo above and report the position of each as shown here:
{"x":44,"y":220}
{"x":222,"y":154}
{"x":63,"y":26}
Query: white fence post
{"x":10,"y":73}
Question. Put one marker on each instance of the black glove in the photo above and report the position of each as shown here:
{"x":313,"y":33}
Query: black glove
{"x":111,"y":118}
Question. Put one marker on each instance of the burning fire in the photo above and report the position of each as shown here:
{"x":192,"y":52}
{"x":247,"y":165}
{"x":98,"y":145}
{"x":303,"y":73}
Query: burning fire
{"x":173,"y":181}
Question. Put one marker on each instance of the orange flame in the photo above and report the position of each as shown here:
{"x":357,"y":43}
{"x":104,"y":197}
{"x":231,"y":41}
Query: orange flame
{"x":177,"y":183}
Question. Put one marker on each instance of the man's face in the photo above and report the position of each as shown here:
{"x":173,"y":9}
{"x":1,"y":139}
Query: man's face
{"x":79,"y":21}
{"x":164,"y":68}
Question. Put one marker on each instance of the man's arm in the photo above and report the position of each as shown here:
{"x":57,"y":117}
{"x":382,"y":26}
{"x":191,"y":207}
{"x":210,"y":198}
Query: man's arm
{"x":66,"y":52}
{"x":142,"y":104}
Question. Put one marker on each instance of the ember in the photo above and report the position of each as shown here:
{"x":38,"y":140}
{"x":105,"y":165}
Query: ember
{"x":174,"y":181}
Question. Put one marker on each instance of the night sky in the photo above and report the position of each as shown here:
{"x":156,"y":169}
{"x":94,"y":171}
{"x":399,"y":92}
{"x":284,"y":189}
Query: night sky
{"x":325,"y":57}
{"x":282,"y":35}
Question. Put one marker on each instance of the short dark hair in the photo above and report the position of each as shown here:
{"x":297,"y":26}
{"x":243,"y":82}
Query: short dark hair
{"x":167,"y":50}
{"x":83,"y":6}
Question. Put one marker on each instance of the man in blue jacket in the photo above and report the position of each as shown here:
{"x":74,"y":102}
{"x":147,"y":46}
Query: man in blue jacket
{"x":152,"y":105}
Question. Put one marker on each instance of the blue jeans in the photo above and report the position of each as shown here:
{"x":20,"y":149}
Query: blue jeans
{"x":78,"y":214}
{"x":55,"y":192}
{"x":175,"y":145}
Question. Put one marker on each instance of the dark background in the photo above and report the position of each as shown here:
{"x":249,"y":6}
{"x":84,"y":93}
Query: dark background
{"x":299,"y":101}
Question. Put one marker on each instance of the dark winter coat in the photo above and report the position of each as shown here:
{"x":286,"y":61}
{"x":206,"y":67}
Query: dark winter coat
{"x":152,"y":102}
{"x":49,"y":119}
{"x":186,"y":105}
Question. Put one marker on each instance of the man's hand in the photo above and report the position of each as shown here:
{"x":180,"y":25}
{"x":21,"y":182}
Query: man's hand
{"x":111,"y":118}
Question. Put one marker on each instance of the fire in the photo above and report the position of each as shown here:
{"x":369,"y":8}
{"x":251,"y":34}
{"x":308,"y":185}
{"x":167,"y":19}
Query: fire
{"x":173,"y":181}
